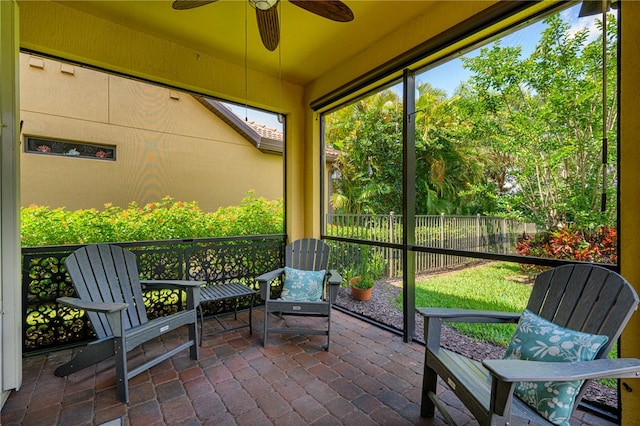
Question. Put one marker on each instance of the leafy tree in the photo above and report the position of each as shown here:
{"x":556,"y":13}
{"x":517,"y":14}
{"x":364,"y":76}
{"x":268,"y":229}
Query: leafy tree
{"x":369,"y":167}
{"x":445,"y":167}
{"x":538,"y":122}
{"x":368,"y":134}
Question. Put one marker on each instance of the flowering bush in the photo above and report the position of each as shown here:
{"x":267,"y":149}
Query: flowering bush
{"x":163,"y":220}
{"x":573,"y":243}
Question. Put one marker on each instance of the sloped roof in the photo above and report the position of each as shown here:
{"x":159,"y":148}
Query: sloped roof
{"x":267,"y":140}
{"x":266,"y":132}
{"x":331,"y":154}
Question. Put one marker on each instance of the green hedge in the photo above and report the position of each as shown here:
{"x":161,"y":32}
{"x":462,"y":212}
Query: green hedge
{"x":164,"y":220}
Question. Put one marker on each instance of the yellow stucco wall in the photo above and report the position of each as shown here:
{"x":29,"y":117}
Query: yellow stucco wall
{"x":630,"y":189}
{"x":167,"y":144}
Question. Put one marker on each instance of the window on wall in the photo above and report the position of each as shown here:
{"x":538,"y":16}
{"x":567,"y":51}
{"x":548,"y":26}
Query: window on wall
{"x":47,"y":146}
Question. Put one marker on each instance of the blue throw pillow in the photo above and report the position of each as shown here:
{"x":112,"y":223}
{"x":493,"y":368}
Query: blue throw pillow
{"x":537,"y":339}
{"x":302,"y":286}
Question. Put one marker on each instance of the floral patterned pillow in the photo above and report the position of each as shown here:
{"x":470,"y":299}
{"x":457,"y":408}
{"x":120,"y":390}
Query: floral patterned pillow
{"x":537,"y":339}
{"x":302,"y":286}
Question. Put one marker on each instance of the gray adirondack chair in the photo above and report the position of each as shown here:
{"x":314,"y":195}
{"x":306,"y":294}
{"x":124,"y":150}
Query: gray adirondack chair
{"x":107,"y":283}
{"x":307,"y":254}
{"x":585,"y":298}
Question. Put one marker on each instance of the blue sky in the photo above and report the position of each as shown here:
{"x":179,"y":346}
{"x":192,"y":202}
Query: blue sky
{"x":449,"y":75}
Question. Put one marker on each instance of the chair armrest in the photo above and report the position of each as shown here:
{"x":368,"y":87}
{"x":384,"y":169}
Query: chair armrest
{"x":433,"y":318}
{"x":191,"y":288}
{"x":87,"y":305}
{"x":516,"y":370}
{"x":264,"y":281}
{"x":270,"y":276}
{"x":335,"y":281}
{"x":335,"y":278}
{"x":505,"y":372}
{"x":170,"y":284}
{"x":469,"y":315}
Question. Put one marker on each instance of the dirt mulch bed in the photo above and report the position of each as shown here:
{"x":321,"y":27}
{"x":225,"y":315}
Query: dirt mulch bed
{"x":381,"y":309}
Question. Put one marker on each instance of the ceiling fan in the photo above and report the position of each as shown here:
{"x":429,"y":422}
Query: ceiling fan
{"x":267,"y":14}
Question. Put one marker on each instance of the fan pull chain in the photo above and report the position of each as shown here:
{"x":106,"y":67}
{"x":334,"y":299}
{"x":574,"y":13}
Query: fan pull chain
{"x":246,"y":48}
{"x":280,"y":62}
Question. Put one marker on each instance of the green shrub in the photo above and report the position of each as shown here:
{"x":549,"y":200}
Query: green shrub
{"x":253,"y":216}
{"x":163,"y":220}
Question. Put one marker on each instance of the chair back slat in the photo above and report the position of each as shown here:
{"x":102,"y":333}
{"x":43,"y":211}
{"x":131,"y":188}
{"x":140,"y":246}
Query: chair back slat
{"x":548,"y":291}
{"x":614,"y":308}
{"x":307,"y":254}
{"x":86,"y":286}
{"x":124,"y":281}
{"x":587,"y":298}
{"x":581,"y":291}
{"x":107,"y":273}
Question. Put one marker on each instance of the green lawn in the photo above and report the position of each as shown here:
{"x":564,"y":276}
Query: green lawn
{"x":495,"y":287}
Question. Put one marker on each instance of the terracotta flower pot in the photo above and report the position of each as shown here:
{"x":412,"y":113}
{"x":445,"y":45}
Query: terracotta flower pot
{"x":360,"y":294}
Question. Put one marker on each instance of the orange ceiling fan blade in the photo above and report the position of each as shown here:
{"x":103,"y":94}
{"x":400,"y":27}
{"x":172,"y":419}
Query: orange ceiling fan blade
{"x":269,"y":27}
{"x":190,"y":4}
{"x":330,"y":9}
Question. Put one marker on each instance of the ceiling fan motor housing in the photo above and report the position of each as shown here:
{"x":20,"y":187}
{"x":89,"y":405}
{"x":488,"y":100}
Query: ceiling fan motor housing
{"x":263,"y":4}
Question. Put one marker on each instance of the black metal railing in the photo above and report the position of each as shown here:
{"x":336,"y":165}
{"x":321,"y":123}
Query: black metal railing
{"x":216,"y":260}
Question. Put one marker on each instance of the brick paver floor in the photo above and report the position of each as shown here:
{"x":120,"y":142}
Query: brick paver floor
{"x":368,"y":377}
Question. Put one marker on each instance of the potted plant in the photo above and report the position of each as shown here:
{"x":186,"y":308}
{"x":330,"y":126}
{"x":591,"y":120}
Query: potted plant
{"x":368,"y":268}
{"x":361,"y":287}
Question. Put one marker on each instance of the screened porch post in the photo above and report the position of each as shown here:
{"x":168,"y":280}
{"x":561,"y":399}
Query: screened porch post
{"x":408,"y":205}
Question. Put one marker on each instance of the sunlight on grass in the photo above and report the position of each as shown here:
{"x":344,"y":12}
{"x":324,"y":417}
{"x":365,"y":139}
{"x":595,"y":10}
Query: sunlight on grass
{"x":492,"y":287}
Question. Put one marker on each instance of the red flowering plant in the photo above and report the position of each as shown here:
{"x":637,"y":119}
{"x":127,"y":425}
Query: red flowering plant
{"x":572,"y":243}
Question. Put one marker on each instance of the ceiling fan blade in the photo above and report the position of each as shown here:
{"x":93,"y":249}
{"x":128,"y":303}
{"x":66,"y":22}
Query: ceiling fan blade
{"x":269,"y":27}
{"x":330,"y":9}
{"x":190,"y":4}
